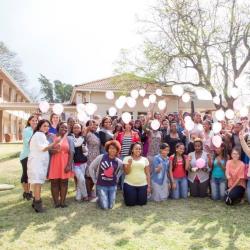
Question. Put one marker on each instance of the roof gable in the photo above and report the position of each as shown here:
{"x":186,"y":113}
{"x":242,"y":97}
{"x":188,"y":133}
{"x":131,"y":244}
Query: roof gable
{"x":119,"y":85}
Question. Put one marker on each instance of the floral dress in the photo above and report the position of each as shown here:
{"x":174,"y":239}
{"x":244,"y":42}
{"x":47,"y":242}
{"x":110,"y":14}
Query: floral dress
{"x":154,"y":141}
{"x":94,"y":144}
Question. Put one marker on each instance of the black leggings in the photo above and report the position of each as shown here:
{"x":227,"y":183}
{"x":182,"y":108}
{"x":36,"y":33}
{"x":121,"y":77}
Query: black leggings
{"x":24,"y":177}
{"x":134,"y":195}
{"x":198,"y":189}
{"x":235,"y":195}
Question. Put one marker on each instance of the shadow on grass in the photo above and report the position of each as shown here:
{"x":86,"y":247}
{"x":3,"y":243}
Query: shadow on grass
{"x":202,"y":218}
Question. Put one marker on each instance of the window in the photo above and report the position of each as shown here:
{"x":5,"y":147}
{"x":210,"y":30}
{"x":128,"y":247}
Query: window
{"x":141,"y":113}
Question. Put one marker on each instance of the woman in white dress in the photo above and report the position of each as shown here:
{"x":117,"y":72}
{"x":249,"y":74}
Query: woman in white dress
{"x":38,"y":161}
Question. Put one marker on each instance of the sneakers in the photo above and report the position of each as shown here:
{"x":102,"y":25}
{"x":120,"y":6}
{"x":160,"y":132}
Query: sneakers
{"x":95,"y":199}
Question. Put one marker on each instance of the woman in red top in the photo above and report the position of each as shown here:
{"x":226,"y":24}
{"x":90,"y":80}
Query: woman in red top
{"x":126,"y":138}
{"x":235,"y":173}
{"x":177,"y":171}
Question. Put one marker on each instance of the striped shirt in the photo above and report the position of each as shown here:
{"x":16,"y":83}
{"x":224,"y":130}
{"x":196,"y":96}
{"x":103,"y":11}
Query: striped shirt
{"x":126,"y":143}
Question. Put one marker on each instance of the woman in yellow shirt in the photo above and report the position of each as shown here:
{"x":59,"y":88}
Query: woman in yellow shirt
{"x":137,"y":177}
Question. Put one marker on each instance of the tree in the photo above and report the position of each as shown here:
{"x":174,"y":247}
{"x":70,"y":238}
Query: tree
{"x":10,"y":62}
{"x":56,"y":91}
{"x":198,"y":44}
{"x":62,"y":91}
{"x":46,"y":88}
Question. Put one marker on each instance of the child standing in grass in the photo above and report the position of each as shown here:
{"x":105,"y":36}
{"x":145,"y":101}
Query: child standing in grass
{"x":159,"y":174}
{"x":179,"y":165}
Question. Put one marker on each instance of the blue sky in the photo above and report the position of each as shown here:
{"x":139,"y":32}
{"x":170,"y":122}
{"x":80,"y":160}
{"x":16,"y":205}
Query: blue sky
{"x":72,"y":41}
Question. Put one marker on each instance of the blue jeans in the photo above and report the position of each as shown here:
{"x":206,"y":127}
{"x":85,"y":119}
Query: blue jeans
{"x":181,"y":190}
{"x":134,"y":195}
{"x":218,"y":187}
{"x":106,"y":196}
{"x":248,"y":189}
{"x":81,"y":190}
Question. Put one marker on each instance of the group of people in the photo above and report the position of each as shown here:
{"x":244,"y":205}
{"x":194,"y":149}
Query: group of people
{"x":146,"y":163}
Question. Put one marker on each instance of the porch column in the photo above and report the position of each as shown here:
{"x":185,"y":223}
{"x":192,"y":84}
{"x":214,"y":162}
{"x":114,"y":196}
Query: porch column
{"x":16,"y":129}
{"x":10,"y":94}
{"x":1,"y":126}
{"x":10,"y":132}
{"x":1,"y":90}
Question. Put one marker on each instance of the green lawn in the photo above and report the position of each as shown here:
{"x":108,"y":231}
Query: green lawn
{"x":184,"y":224}
{"x":8,"y":150}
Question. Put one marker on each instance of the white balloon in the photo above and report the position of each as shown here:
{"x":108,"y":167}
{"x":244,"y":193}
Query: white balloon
{"x":44,"y":106}
{"x":187,"y":118}
{"x":162,"y":104}
{"x":80,"y":107}
{"x":216,"y":140}
{"x":220,"y":115}
{"x":155,"y":124}
{"x":91,"y":108}
{"x":177,"y":90}
{"x":189,"y":125}
{"x":216,"y":127}
{"x":185,"y":97}
{"x":134,"y":93}
{"x":146,"y":103}
{"x":203,"y":94}
{"x":200,"y":127}
{"x":82,"y":117}
{"x":142,"y":92}
{"x":131,"y":102}
{"x":112,"y":111}
{"x":216,"y":100}
{"x":244,"y":111}
{"x":152,"y":98}
{"x":237,"y":104}
{"x":126,"y":117}
{"x":158,"y":92}
{"x":119,"y":103}
{"x":229,"y":114}
{"x":110,"y":95}
{"x":58,"y":108}
{"x":123,"y":98}
{"x":235,"y":92}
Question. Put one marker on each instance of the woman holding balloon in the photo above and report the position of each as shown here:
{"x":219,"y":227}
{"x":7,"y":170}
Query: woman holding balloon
{"x":198,"y":174}
{"x":154,"y":140}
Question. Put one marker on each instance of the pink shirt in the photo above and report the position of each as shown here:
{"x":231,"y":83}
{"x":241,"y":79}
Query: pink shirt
{"x":235,"y":172}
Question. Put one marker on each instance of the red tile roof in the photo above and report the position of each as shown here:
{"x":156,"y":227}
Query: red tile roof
{"x":117,"y":84}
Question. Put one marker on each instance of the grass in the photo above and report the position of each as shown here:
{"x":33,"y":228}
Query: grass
{"x":184,"y":224}
{"x":9,"y":151}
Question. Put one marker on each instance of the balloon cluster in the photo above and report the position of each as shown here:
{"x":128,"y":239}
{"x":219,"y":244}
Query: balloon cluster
{"x":179,"y":91}
{"x":57,"y":108}
{"x":131,"y":102}
{"x":85,"y":111}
